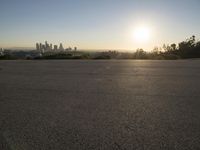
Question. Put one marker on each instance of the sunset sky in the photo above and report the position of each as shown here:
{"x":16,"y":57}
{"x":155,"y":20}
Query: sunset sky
{"x":98,"y":24}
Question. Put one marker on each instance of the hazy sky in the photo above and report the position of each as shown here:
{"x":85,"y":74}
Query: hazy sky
{"x":97,"y":24}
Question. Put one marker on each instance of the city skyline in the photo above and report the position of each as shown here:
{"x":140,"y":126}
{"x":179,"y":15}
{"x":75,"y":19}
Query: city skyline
{"x":50,"y":47}
{"x":105,"y":24}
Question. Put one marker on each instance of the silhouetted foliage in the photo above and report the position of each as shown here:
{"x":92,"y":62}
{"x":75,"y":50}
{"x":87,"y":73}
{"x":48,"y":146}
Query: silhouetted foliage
{"x":186,"y":49}
{"x":140,"y":54}
{"x":5,"y":57}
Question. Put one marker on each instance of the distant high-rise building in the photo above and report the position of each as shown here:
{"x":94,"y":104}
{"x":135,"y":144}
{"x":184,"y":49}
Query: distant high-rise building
{"x":55,"y":47}
{"x":40,"y":46}
{"x":43,"y":48}
{"x":51,"y":47}
{"x":46,"y":45}
{"x":37,"y":46}
{"x":75,"y":48}
{"x":61,"y":48}
{"x":1,"y":51}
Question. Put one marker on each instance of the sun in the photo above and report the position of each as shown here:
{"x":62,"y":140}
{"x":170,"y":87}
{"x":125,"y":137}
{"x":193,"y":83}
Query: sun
{"x":142,"y":34}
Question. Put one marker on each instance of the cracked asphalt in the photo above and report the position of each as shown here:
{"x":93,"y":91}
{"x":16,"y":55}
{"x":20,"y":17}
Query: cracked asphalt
{"x":104,"y":104}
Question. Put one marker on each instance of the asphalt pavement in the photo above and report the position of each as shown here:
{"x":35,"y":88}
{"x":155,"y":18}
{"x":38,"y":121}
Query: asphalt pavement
{"x":100,"y":104}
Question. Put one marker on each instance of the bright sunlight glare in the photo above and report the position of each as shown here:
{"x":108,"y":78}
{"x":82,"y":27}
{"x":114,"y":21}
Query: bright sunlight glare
{"x":142,"y":34}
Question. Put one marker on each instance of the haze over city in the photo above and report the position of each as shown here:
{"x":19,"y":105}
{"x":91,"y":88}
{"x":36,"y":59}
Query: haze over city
{"x":104,"y":24}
